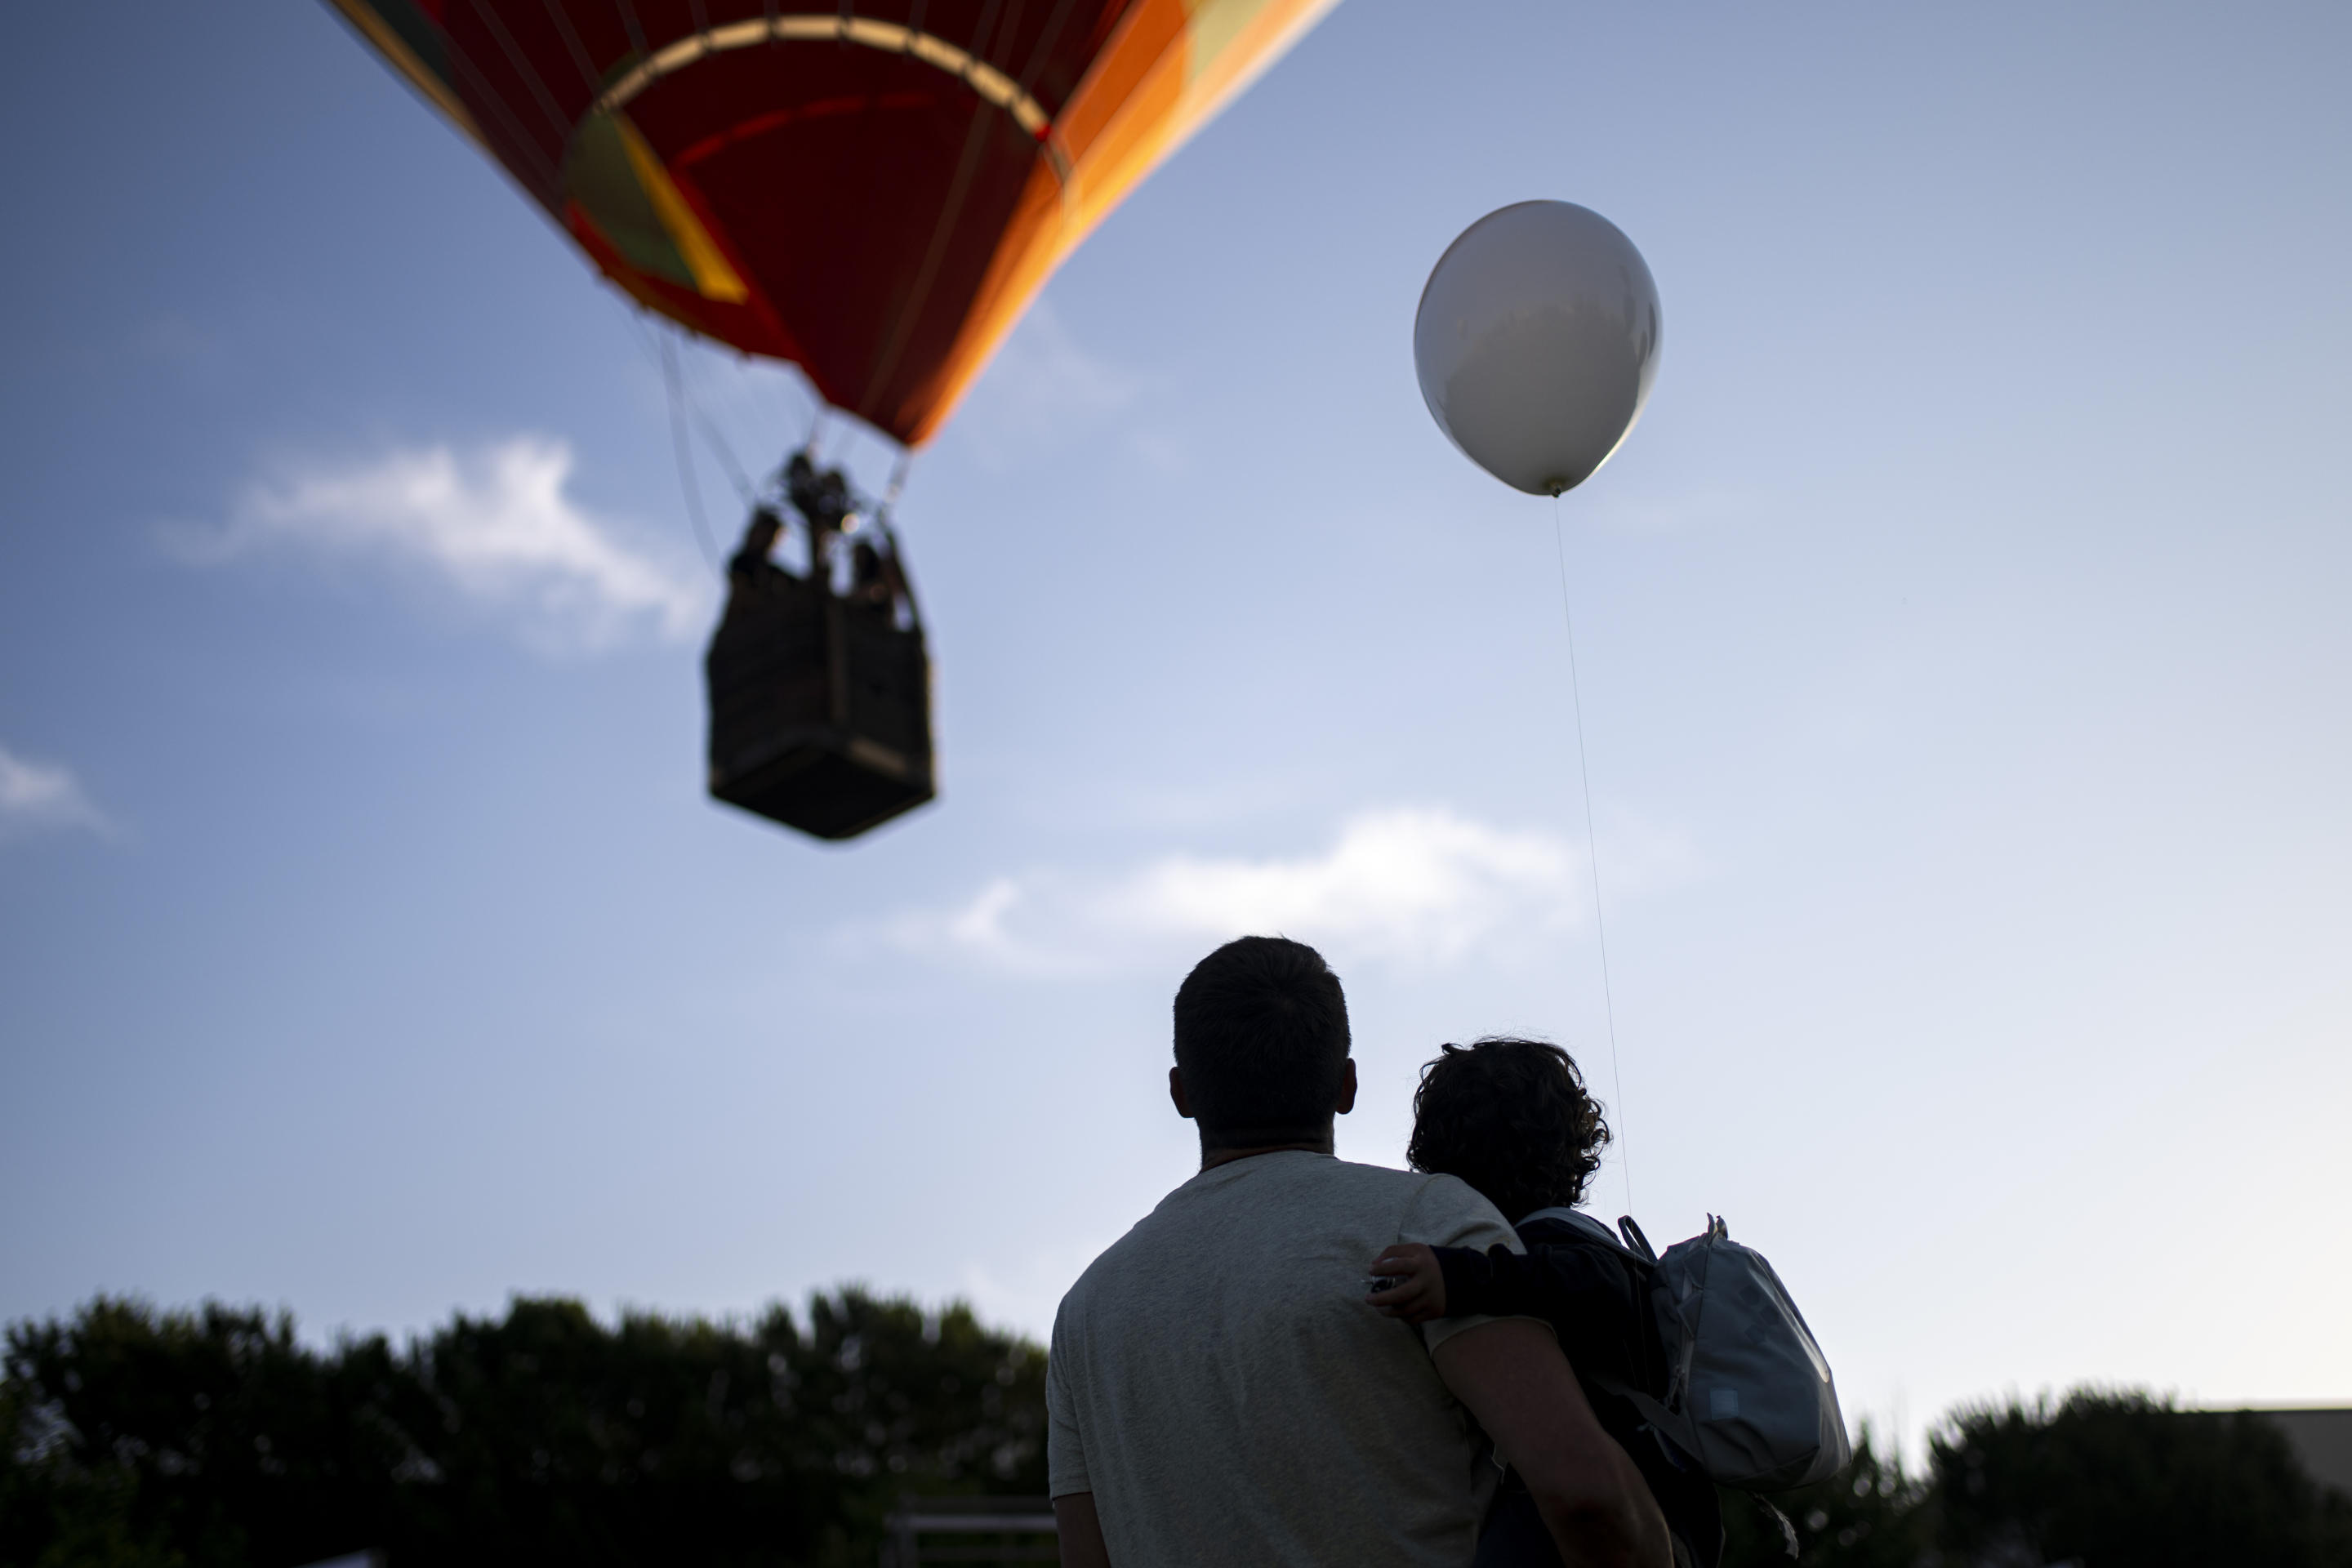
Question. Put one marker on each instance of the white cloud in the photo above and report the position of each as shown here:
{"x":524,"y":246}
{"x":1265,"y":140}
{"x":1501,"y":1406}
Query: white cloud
{"x":1403,"y":884}
{"x":39,"y":797}
{"x":1419,"y":887}
{"x":494,"y":524}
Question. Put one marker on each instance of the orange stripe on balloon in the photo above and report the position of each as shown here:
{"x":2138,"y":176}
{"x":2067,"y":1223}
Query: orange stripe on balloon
{"x":402,"y":58}
{"x":1142,"y":98}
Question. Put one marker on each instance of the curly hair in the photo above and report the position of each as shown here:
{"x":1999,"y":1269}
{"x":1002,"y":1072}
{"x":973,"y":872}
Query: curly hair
{"x":1512,"y":1119}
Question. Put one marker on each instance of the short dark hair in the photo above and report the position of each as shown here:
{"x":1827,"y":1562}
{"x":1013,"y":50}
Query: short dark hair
{"x":1261,"y":1040}
{"x":1512,"y":1119}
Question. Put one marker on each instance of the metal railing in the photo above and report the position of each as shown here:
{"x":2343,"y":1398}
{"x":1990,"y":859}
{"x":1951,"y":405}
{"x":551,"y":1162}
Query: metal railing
{"x":971,"y":1529}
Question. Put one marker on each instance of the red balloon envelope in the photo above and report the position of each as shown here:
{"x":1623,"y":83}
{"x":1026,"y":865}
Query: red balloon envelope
{"x":873,"y":193}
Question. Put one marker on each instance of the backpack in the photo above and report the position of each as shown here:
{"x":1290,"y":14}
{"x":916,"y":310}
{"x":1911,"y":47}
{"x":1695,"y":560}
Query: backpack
{"x":1748,"y":1396}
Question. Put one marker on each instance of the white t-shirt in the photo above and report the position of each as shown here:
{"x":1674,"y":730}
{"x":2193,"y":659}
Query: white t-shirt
{"x":1218,"y":1382}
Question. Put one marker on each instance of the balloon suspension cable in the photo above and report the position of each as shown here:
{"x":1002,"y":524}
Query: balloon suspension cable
{"x":789,"y":410}
{"x":682,"y":449}
{"x":889,"y":503}
{"x":1592,"y":860}
{"x":816,"y":429}
{"x":717,"y":441}
{"x":890,"y":491}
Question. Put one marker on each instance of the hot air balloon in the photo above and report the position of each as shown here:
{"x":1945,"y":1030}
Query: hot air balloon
{"x":872,"y":192}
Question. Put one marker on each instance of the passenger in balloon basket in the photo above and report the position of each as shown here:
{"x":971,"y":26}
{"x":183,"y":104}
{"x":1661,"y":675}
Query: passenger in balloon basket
{"x":875,"y":585}
{"x":752,"y":568}
{"x":823,"y":500}
{"x":1512,"y":1119}
{"x":822,"y":496}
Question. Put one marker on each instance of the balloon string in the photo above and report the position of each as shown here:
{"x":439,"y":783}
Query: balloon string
{"x":1592,"y":860}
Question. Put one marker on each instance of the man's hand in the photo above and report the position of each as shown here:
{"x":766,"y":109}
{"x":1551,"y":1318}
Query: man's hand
{"x":1080,"y":1529}
{"x":1418,"y":1294}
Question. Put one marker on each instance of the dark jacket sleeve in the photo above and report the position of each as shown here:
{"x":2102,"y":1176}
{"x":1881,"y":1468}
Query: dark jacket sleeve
{"x":1541,"y":1282}
{"x":1595,"y":1302}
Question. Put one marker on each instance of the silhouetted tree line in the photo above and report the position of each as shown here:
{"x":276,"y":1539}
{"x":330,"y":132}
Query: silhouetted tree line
{"x":2100,"y":1479}
{"x":142,"y":1440}
{"x":215,"y":1438}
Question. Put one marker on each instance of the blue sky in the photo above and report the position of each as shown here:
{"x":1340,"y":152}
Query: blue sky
{"x":1966,"y":673}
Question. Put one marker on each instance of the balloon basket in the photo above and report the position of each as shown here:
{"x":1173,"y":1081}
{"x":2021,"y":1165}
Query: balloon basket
{"x":820,"y":709}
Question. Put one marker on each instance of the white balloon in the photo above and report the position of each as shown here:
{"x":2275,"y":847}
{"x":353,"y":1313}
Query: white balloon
{"x":1535,"y":342}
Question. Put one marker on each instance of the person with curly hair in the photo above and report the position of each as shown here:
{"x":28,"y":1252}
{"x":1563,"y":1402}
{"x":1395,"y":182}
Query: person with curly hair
{"x":1512,"y":1119}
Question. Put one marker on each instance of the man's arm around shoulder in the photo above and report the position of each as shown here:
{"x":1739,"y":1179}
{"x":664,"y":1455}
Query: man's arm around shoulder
{"x":1510,"y":1375}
